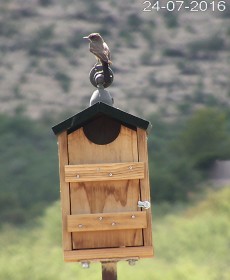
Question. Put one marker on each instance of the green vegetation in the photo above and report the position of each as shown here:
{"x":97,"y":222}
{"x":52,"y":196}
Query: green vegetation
{"x":64,"y":81}
{"x":146,"y":58}
{"x":29,"y":168}
{"x":213,"y":43}
{"x":44,"y":37}
{"x":128,"y":38}
{"x":40,"y":39}
{"x":8,"y":29}
{"x":171,"y":19}
{"x":45,"y":3}
{"x":191,"y":243}
{"x":179,"y":153}
{"x":43,"y":32}
{"x":207,"y":137}
{"x":134,"y":21}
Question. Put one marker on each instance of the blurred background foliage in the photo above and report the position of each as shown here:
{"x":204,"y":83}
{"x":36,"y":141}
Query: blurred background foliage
{"x":191,"y":242}
{"x":170,"y":68}
{"x":29,"y":168}
{"x":180,"y":155}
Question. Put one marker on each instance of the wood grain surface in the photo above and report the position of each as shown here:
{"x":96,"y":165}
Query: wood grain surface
{"x":106,"y":254}
{"x":144,"y":183}
{"x":106,"y":221}
{"x":64,"y":189}
{"x":104,"y":172}
{"x":105,"y":196}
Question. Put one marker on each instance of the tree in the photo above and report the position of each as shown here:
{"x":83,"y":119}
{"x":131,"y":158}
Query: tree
{"x":172,"y":175}
{"x":206,"y":137}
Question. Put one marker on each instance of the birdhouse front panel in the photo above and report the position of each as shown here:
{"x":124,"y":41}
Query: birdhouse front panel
{"x":107,"y":194}
{"x":103,"y":184}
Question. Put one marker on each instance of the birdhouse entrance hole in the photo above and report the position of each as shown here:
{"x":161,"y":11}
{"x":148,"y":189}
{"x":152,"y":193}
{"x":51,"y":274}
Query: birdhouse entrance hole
{"x":102,"y":130}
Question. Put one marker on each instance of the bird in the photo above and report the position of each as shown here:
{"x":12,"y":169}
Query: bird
{"x":99,"y":48}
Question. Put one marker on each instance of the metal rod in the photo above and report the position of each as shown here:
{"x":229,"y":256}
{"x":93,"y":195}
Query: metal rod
{"x":109,"y":270}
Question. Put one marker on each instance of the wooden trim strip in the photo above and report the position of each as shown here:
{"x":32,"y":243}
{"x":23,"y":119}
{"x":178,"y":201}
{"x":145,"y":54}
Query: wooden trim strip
{"x":64,"y":189}
{"x":106,"y":221}
{"x":104,"y":172}
{"x":144,"y":183}
{"x":108,"y":253}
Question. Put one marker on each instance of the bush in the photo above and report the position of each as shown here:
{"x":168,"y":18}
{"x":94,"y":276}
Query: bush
{"x":128,"y":37}
{"x":45,"y":3}
{"x":171,"y":19}
{"x":8,"y":28}
{"x":180,"y":153}
{"x":39,"y":39}
{"x":172,"y":175}
{"x":206,"y":138}
{"x":147,"y":33}
{"x":211,"y":44}
{"x":146,"y":58}
{"x":191,"y":243}
{"x":28,"y":174}
{"x":134,"y":22}
{"x":64,"y":81}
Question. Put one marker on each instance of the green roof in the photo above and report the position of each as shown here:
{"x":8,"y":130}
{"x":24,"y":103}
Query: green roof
{"x":79,"y":120}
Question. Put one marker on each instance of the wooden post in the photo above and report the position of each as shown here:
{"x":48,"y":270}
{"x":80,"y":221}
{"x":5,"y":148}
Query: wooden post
{"x":109,"y":270}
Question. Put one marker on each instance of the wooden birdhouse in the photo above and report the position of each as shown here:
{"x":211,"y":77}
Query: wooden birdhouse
{"x":104,"y":181}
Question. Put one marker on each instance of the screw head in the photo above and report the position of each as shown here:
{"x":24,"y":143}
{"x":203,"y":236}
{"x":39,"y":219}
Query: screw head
{"x":110,"y":174}
{"x":85,"y":264}
{"x":78,"y":176}
{"x":100,"y":218}
{"x":130,"y":167}
{"x":80,"y":225}
{"x":132,"y":262}
{"x":113,"y":224}
{"x":133,"y":216}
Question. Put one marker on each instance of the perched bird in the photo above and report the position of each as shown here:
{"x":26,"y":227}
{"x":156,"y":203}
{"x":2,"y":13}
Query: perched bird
{"x":99,"y":48}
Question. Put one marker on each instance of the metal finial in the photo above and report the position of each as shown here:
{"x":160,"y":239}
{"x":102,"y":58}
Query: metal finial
{"x":98,"y":69}
{"x":101,"y":78}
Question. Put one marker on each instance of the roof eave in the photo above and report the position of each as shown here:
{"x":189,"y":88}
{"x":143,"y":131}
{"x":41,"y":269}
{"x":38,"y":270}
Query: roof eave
{"x":75,"y":122}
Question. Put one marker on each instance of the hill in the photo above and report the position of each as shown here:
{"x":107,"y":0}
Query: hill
{"x":191,"y":243}
{"x":172,"y":62}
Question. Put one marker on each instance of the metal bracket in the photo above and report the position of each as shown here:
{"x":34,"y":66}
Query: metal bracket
{"x":144,"y":204}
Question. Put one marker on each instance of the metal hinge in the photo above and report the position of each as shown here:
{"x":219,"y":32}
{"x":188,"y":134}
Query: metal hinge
{"x":144,"y":204}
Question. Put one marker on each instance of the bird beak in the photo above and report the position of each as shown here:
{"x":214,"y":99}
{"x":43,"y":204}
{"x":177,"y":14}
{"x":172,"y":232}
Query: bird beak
{"x":86,"y":37}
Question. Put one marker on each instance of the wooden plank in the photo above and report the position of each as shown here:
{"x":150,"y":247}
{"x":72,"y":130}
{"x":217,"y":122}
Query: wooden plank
{"x":144,"y":183}
{"x":106,"y":221}
{"x":104,"y":172}
{"x":110,"y":253}
{"x":64,"y":189}
{"x":105,"y":196}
